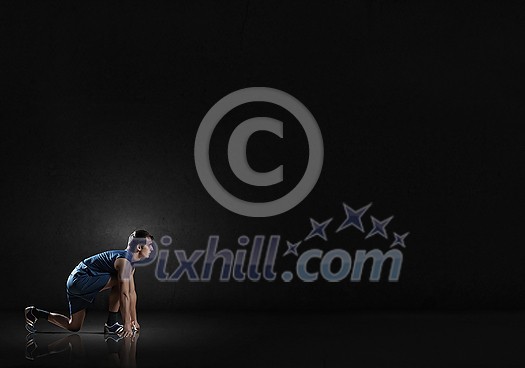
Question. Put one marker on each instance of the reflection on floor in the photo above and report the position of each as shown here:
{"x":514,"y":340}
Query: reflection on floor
{"x":121,"y":352}
{"x":274,"y":340}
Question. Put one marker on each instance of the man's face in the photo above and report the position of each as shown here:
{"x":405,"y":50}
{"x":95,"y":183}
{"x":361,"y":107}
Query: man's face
{"x":146,"y":249}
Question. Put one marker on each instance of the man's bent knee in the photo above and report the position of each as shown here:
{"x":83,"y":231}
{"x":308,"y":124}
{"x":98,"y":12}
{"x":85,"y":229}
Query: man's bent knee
{"x":76,"y":321}
{"x":73,"y":328}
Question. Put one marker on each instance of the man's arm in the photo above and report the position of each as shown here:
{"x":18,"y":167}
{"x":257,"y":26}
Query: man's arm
{"x":124,"y":269}
{"x":133,"y":296}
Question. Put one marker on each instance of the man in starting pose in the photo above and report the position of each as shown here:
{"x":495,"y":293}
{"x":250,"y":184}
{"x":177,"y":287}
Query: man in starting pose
{"x":113,"y":269}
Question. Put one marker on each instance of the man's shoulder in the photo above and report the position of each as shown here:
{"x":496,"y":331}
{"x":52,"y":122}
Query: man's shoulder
{"x":122,"y":257}
{"x":124,"y":268}
{"x":114,"y":252}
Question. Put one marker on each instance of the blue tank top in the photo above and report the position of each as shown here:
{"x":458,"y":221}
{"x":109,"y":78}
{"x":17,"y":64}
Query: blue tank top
{"x":103,"y":263}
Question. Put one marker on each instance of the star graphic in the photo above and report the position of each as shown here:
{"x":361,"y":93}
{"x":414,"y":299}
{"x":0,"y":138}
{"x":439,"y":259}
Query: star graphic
{"x":318,"y":229}
{"x":353,"y":217}
{"x":379,"y":227}
{"x":292,"y":248}
{"x":399,"y":240}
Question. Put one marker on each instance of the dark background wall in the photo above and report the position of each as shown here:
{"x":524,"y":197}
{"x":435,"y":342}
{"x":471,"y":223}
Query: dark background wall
{"x":419,"y":105}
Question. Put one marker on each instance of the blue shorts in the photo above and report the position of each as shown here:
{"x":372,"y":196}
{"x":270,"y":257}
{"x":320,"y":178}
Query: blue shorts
{"x":82,"y":288}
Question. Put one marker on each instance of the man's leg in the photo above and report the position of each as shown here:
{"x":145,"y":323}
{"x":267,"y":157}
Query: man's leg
{"x":114,"y":305}
{"x":74,"y":323}
{"x":77,"y":319}
{"x":114,"y":299}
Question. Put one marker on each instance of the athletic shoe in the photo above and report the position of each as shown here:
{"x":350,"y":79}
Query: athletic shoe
{"x":30,"y":319}
{"x":116,"y":328}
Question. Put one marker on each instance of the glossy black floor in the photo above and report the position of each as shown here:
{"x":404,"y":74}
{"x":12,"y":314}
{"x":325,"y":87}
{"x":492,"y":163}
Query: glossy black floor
{"x":205,"y":339}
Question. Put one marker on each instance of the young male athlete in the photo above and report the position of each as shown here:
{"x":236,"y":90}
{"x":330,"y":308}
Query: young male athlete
{"x":113,"y":269}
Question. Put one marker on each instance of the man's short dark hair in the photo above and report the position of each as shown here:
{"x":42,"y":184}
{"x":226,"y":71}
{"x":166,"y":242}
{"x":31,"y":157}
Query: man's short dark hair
{"x":138,"y":237}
